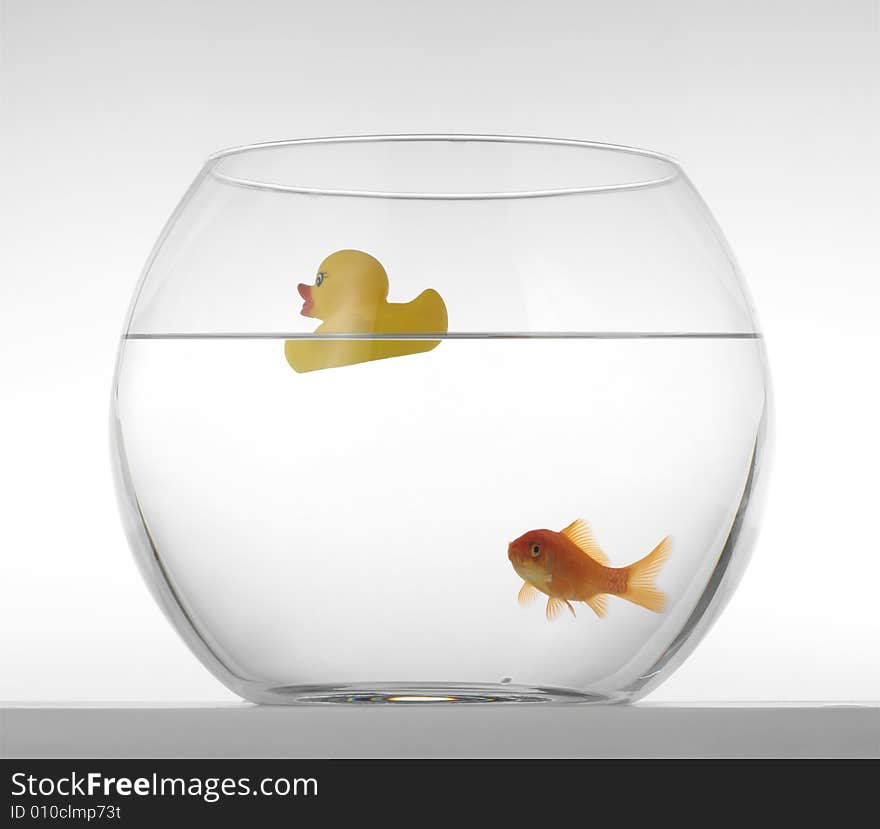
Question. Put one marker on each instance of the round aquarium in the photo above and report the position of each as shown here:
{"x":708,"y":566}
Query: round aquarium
{"x":441,"y":418}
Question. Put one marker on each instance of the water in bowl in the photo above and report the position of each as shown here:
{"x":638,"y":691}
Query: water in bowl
{"x":342,"y":534}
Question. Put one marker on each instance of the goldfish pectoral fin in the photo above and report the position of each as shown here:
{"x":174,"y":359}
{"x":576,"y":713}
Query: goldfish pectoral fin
{"x":599,"y":604}
{"x":580,"y":534}
{"x":554,"y":608}
{"x":527,"y":594}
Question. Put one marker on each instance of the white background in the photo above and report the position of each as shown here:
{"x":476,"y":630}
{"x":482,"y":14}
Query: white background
{"x":109,"y":107}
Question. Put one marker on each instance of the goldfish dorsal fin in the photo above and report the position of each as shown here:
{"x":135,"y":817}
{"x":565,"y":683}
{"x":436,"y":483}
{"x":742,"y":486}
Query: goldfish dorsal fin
{"x":527,"y":594}
{"x":599,"y":604}
{"x":580,"y":534}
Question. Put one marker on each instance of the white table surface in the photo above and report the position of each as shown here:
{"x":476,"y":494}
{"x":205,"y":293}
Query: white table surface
{"x":433,"y":730}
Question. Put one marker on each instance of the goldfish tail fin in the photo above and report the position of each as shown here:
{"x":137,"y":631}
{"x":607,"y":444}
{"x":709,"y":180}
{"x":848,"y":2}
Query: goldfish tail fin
{"x":640,"y":582}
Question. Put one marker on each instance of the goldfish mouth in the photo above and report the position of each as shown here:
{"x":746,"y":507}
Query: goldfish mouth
{"x":305,"y":291}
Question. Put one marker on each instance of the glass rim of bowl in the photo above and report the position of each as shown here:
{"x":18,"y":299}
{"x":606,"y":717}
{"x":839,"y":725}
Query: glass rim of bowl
{"x":673,"y":169}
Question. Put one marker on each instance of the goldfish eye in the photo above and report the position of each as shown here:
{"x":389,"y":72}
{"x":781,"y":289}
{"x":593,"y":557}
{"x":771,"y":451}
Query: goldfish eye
{"x":536,"y":551}
{"x":319,"y":281}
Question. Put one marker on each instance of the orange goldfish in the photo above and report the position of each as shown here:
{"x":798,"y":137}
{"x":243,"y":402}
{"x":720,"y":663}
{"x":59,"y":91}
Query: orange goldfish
{"x":569,"y":566}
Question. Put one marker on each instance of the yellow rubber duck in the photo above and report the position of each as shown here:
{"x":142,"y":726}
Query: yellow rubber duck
{"x":350,"y":296}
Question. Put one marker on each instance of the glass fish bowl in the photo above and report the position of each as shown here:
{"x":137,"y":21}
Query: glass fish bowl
{"x":441,"y":418}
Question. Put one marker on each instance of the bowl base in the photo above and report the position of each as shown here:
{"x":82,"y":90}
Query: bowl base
{"x":415,"y":693}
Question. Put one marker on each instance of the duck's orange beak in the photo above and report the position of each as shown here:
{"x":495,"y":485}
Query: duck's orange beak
{"x":305,"y":291}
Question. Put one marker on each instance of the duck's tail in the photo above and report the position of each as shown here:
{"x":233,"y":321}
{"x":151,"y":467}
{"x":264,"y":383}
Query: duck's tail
{"x":428,"y":312}
{"x":640,"y":578}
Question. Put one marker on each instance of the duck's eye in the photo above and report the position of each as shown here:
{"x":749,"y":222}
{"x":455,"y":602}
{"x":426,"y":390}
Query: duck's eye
{"x":319,"y":281}
{"x":536,"y":551}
